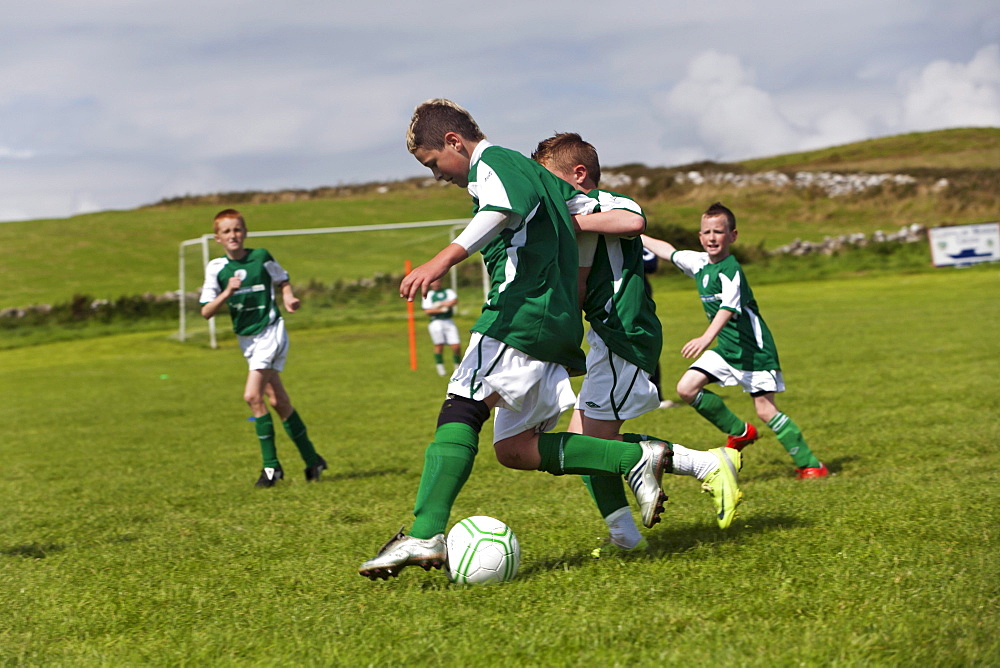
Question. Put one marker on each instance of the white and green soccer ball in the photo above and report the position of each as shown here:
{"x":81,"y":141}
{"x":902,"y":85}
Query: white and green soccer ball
{"x":482,"y":550}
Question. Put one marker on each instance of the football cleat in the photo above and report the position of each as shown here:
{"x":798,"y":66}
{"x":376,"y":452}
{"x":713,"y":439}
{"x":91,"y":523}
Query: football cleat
{"x":608,"y":548}
{"x":748,"y":436}
{"x":820,"y":472}
{"x":722,"y":484}
{"x":441,"y":370}
{"x":644,"y":479}
{"x":402,"y":551}
{"x":313,"y":472}
{"x":269,"y":476}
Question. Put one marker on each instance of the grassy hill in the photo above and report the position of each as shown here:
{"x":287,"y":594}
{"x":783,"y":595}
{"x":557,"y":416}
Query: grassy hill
{"x":110,"y":254}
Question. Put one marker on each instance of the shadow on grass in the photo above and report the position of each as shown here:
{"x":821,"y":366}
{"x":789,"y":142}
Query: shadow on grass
{"x":33,"y":550}
{"x":665,"y":542}
{"x":360,"y":475}
{"x":836,"y":465}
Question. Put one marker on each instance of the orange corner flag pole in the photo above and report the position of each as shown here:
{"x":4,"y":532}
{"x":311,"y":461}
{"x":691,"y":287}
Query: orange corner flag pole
{"x":407,"y":268}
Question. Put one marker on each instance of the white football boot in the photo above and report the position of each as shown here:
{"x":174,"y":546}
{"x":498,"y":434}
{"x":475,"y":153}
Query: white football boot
{"x":403,"y":550}
{"x":644,"y":479}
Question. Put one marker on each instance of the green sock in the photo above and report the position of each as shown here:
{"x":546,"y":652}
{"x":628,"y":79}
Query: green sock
{"x":438,"y":358}
{"x":296,"y":430}
{"x":585,"y":455}
{"x":711,"y":407}
{"x":791,"y":439}
{"x":608,"y":492}
{"x":265,"y":433}
{"x":456,"y":358}
{"x":447,"y":464}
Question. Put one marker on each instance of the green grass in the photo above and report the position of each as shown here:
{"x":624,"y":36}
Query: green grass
{"x":960,"y":148}
{"x":133,"y":535}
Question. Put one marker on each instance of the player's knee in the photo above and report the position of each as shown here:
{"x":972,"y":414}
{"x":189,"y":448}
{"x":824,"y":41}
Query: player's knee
{"x":686,"y":391}
{"x":466,"y":411}
{"x":512,"y":454}
{"x":255,"y":401}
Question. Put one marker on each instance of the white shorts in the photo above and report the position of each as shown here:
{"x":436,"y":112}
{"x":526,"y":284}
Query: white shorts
{"x":443,"y":331}
{"x":533,"y":393}
{"x":754,"y":382}
{"x":267,"y":350}
{"x":614,"y":388}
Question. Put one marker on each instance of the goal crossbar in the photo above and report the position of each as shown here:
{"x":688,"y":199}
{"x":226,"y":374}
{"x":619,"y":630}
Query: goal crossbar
{"x":204,"y":240}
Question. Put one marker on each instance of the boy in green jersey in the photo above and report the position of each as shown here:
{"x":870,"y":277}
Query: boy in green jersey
{"x":745,"y":354}
{"x":524,"y":345}
{"x":439,"y":305}
{"x":245,"y":280}
{"x":625,"y":341}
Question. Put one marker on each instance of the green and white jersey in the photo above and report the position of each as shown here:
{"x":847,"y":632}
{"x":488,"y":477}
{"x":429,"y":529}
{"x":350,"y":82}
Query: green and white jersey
{"x":435,"y":298}
{"x":745,"y":342}
{"x":252,"y":306}
{"x":532,"y":304}
{"x":617,"y":304}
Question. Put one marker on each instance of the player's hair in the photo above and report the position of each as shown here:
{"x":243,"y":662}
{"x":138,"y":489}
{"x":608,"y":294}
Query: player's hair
{"x":433,"y":119}
{"x":228,"y":213}
{"x":719,"y":209}
{"x":566,"y":150}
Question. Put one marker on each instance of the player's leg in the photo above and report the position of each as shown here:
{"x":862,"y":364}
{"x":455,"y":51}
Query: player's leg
{"x":613,"y":391}
{"x":254,"y":393}
{"x":691,"y":388}
{"x":453,"y":341}
{"x":608,"y":492}
{"x":790,"y":437}
{"x":437,"y":338}
{"x":448,"y":462}
{"x":295,"y":427}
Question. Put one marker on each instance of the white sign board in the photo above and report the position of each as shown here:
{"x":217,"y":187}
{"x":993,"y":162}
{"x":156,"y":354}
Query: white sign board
{"x":964,"y":244}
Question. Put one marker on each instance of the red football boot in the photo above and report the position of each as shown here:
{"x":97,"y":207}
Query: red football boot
{"x":748,"y":436}
{"x":820,"y":472}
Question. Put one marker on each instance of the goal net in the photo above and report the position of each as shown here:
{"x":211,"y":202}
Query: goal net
{"x":371,"y":250}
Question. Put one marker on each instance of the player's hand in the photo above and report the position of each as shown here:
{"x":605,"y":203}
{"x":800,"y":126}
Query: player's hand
{"x":695,"y":347}
{"x":418,"y":281}
{"x":292,"y":304}
{"x":234,"y":284}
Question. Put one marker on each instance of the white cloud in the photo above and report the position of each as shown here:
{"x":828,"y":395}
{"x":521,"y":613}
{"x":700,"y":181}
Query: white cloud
{"x":730,"y":114}
{"x":950,"y":94}
{"x":115,"y":103}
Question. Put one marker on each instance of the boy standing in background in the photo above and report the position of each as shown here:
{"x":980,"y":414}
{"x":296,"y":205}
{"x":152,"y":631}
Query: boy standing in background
{"x":439,"y":304}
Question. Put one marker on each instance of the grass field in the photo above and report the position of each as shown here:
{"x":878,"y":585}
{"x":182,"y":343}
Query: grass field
{"x":133,"y":534}
{"x":112,"y":254}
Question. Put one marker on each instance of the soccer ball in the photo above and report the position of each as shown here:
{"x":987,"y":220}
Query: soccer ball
{"x":482,"y":550}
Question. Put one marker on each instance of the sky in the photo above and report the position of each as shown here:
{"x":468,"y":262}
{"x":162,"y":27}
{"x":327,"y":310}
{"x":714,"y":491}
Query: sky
{"x":113,"y":104}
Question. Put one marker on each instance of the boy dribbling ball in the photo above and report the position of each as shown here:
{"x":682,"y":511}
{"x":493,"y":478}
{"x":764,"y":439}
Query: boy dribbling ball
{"x":523,"y":346}
{"x":246,"y":280}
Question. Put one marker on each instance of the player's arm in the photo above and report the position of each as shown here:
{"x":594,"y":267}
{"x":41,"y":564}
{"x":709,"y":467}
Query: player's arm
{"x":288,"y":297}
{"x":481,"y":229}
{"x":209,"y":309}
{"x":615,"y":222}
{"x":658,"y":247}
{"x":697,"y":346}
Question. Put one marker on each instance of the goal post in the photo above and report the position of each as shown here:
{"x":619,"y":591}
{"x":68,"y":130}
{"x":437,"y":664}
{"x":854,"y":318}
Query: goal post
{"x":454,"y":225}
